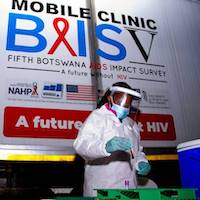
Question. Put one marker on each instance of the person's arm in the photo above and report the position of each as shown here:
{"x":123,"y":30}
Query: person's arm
{"x":142,"y":165}
{"x":89,"y":144}
{"x":140,"y":157}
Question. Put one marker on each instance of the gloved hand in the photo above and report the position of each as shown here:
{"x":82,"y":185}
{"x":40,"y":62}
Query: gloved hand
{"x":144,"y":168}
{"x":118,"y":143}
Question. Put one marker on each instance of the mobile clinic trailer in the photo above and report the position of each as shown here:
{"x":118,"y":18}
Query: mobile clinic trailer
{"x":59,"y":57}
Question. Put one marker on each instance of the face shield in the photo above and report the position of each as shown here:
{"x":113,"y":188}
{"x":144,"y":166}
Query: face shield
{"x":135,"y":104}
{"x":125,"y":97}
{"x":124,"y":100}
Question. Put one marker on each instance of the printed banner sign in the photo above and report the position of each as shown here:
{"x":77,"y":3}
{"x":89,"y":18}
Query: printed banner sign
{"x":58,"y":58}
{"x":54,"y":123}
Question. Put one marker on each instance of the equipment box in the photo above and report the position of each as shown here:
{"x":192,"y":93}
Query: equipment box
{"x":146,"y":194}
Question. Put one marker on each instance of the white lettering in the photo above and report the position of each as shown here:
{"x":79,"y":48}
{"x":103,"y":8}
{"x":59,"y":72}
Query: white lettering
{"x":62,"y":124}
{"x":157,"y":127}
{"x":70,"y":123}
{"x":53,"y":123}
{"x":78,"y":125}
{"x":44,"y":124}
{"x":151,"y":126}
{"x":22,"y":122}
{"x":140,"y":126}
{"x":164,"y":127}
{"x":36,"y":121}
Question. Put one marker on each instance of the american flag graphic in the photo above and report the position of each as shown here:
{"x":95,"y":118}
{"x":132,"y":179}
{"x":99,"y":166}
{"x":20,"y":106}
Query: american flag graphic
{"x":80,"y":92}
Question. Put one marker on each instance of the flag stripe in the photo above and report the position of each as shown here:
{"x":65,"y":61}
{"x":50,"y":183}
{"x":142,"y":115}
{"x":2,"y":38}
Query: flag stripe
{"x":81,"y":99}
{"x":80,"y":92}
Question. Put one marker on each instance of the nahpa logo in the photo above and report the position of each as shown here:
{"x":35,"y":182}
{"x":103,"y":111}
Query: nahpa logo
{"x":23,"y":89}
{"x":109,"y":22}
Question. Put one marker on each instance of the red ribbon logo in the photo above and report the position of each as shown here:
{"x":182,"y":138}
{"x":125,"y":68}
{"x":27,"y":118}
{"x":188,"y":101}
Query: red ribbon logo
{"x":61,"y":36}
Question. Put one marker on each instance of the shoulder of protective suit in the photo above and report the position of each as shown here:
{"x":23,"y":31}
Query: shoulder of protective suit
{"x":102,"y":110}
{"x":99,"y":112}
{"x":128,"y":121}
{"x":131,"y":123}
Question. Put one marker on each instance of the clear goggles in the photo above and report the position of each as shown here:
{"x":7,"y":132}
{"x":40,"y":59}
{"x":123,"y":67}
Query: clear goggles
{"x":126,"y":98}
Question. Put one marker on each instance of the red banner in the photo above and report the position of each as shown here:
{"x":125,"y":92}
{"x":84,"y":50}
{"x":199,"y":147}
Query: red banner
{"x":55,"y":123}
{"x":156,"y":127}
{"x":42,"y":123}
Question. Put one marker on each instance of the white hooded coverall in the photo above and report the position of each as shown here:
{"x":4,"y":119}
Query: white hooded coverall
{"x":107,"y":170}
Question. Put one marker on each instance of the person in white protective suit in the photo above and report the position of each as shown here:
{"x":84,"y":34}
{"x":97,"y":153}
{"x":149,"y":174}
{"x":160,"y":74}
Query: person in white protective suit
{"x":109,"y":141}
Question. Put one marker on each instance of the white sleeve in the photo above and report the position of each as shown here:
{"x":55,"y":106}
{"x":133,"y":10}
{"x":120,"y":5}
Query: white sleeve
{"x":138,"y":158}
{"x":88,"y":144}
{"x":140,"y":155}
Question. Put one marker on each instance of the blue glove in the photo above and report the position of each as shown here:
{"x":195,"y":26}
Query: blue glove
{"x":118,"y":143}
{"x":144,"y":168}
